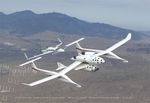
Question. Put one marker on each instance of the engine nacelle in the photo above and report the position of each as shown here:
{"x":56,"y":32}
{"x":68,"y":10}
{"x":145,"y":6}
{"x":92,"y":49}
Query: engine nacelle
{"x":90,"y":60}
{"x":91,"y":68}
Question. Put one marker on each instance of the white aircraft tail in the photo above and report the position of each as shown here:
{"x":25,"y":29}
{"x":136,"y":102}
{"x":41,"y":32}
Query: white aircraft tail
{"x":59,"y":40}
{"x":60,"y":66}
{"x":27,"y":57}
{"x":30,"y":61}
{"x":78,"y":46}
{"x":33,"y":65}
{"x":58,"y":45}
{"x":79,"y":49}
{"x":25,"y":54}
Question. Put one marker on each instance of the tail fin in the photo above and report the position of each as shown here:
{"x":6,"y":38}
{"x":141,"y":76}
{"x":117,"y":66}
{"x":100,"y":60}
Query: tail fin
{"x":33,"y":65}
{"x":25,"y":54}
{"x":59,"y":40}
{"x":79,"y":49}
{"x":57,"y":46}
{"x":78,"y":46}
{"x":60,"y":66}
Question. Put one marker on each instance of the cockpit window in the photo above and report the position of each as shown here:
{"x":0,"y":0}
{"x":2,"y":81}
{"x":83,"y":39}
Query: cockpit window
{"x":83,"y":53}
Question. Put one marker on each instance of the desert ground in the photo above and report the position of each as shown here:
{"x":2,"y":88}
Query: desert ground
{"x":115,"y":82}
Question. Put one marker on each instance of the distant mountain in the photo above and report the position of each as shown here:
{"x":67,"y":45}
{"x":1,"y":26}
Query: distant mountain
{"x":146,"y":32}
{"x":27,"y":23}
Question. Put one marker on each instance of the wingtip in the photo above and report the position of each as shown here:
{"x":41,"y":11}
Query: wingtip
{"x":21,"y":65}
{"x":125,"y":61}
{"x":82,"y":38}
{"x":129,"y":35}
{"x":26,"y":84}
{"x":79,"y":86}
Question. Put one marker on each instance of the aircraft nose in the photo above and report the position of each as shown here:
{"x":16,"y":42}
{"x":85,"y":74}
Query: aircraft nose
{"x":102,"y":60}
{"x":61,"y":50}
{"x":73,"y":58}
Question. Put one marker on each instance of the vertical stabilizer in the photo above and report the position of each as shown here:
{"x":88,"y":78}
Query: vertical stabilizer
{"x":60,"y":66}
{"x":26,"y":56}
{"x":79,"y":49}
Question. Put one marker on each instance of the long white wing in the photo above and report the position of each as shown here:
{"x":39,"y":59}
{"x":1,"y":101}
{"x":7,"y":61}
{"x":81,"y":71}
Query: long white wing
{"x":109,"y":49}
{"x":42,"y":80}
{"x":38,"y":69}
{"x":115,"y":46}
{"x":74,"y":42}
{"x":47,"y":52}
{"x":70,"y":81}
{"x":60,"y":74}
{"x":70,"y":67}
{"x":119,"y":43}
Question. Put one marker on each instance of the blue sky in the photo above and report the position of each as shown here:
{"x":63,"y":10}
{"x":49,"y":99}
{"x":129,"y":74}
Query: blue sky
{"x":132,"y":14}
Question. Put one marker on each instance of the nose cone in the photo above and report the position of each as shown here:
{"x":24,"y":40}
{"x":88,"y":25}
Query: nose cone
{"x":61,"y":50}
{"x":43,"y":51}
{"x":73,"y":58}
{"x":102,"y":60}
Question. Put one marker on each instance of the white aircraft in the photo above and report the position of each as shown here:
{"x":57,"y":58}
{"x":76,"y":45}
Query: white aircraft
{"x":90,"y":58}
{"x":55,"y":49}
{"x":87,"y":59}
{"x":61,"y":75}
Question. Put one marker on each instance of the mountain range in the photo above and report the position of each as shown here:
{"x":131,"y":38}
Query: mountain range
{"x":25,"y":23}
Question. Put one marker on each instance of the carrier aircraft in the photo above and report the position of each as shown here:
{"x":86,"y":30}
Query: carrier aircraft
{"x":87,"y":59}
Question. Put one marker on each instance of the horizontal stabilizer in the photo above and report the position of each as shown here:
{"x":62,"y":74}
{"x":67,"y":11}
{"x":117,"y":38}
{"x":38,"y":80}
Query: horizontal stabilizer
{"x":74,"y":42}
{"x":31,"y":61}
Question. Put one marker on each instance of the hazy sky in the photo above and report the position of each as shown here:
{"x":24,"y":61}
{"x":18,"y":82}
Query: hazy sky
{"x":133,"y":14}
